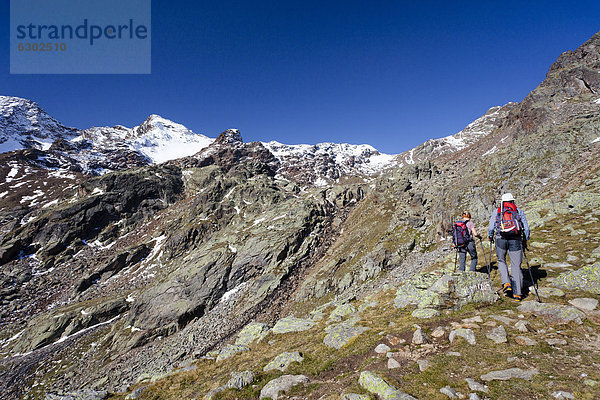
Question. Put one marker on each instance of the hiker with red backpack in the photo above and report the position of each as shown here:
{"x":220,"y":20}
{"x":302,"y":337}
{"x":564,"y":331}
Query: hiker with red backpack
{"x":463,"y":234}
{"x":512,"y":232}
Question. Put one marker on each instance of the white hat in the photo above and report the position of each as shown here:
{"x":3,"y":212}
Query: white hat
{"x":508,"y":197}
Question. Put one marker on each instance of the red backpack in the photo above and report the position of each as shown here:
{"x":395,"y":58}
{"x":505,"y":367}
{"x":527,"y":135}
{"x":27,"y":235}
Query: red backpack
{"x":508,"y":220}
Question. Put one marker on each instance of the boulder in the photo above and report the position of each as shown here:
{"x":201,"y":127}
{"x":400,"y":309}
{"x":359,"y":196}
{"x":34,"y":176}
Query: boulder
{"x":511,"y":373}
{"x":586,"y":278}
{"x":375,"y":384}
{"x":562,"y":395}
{"x":340,"y":335}
{"x":465,"y":333}
{"x":557,"y":314}
{"x":382,"y":348}
{"x":292,"y":324}
{"x":546,"y":292}
{"x":252,"y":332}
{"x":476,"y":386}
{"x":341,"y":311}
{"x":449,"y":392}
{"x":525,"y":341}
{"x":240,"y":380}
{"x":498,"y":335}
{"x":584,"y":303}
{"x":419,"y":337}
{"x":282,"y":384}
{"x":283,"y":361}
{"x":424,"y":313}
{"x":231,"y":350}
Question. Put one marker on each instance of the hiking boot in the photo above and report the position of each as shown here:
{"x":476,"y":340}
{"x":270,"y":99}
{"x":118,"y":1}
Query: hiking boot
{"x":507,"y":289}
{"x":517,"y":297}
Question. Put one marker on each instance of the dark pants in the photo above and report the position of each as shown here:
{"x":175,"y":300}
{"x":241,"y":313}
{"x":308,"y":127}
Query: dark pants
{"x":462,"y":256}
{"x":514,"y":248}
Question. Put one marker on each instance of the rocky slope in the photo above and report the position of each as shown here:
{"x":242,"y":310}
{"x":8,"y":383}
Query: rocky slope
{"x":139,"y":282}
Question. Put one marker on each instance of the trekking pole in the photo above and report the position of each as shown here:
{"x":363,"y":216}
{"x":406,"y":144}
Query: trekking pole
{"x":455,"y":257}
{"x":537,"y":296}
{"x":485,"y":258}
{"x":491,"y":244}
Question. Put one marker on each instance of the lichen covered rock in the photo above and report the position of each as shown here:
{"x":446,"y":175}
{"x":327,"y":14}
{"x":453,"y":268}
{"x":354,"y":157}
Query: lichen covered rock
{"x":281,"y":384}
{"x":231,"y":350}
{"x":283,"y":361}
{"x":557,"y":314}
{"x":586,"y":278}
{"x":340,"y":335}
{"x":252,"y":332}
{"x":292,"y":324}
{"x":375,"y":384}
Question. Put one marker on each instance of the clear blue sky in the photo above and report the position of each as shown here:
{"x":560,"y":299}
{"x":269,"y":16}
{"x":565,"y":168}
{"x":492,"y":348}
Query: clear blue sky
{"x":389,"y":73}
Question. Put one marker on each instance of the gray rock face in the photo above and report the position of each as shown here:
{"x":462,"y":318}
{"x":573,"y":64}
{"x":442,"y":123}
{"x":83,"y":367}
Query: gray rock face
{"x":282,"y":384}
{"x":498,"y":335}
{"x":292,"y":324}
{"x":511,"y":373}
{"x":283,"y":361}
{"x":375,"y":384}
{"x":553,"y":313}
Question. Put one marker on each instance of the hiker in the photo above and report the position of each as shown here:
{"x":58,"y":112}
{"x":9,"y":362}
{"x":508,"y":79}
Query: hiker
{"x":512,"y":232}
{"x":470,"y":244}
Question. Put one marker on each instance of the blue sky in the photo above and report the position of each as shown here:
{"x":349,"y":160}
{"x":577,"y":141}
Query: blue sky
{"x":389,"y":73}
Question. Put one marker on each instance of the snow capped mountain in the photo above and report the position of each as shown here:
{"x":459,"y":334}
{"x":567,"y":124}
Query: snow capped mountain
{"x":23,"y":124}
{"x":157,"y":138}
{"x":472,"y":133}
{"x":97,"y":150}
{"x":324,"y":162}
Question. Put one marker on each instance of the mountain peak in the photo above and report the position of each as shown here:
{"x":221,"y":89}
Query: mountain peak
{"x":230,"y":136}
{"x":24,"y":124}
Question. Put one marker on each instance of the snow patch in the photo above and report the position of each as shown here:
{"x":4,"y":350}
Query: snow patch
{"x":597,"y":101}
{"x":227,"y":296}
{"x":596,"y":140}
{"x":491,"y":151}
